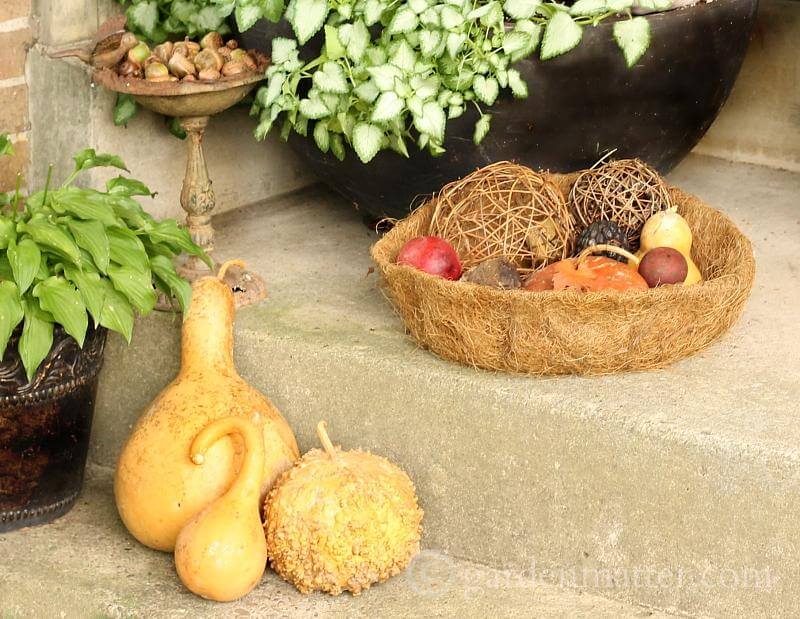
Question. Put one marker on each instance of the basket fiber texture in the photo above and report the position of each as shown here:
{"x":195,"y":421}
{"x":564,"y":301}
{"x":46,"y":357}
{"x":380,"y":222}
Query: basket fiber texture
{"x":569,"y":332}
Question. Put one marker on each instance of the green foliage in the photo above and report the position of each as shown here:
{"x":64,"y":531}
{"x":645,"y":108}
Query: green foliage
{"x":393,"y":72}
{"x":67,"y":254}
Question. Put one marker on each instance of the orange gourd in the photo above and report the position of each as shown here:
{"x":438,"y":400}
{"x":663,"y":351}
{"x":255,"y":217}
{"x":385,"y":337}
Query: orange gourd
{"x":221,"y":553}
{"x":589,"y":273}
{"x":157,"y":489}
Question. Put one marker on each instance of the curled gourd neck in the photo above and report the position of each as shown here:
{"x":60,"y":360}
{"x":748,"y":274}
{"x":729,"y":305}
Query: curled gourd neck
{"x":207,"y":342}
{"x":248,"y":482}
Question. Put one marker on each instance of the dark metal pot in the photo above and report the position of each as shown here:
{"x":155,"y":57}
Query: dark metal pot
{"x":581,"y":105}
{"x":44,"y":428}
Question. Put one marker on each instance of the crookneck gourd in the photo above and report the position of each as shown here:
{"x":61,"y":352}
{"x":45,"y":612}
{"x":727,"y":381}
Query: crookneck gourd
{"x":157,"y":488}
{"x":221,"y":553}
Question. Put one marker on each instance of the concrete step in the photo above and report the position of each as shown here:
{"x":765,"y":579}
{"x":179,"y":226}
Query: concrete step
{"x":87,"y":565}
{"x":690,"y":472}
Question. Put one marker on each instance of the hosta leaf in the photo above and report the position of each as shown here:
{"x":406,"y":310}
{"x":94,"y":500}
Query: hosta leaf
{"x":117,"y":312}
{"x":633,"y":38}
{"x":367,"y":141}
{"x":37,"y":336}
{"x":11,"y":312}
{"x":164,"y":270}
{"x":91,"y":236}
{"x":308,"y":18}
{"x":122,"y":186}
{"x":486,"y":89}
{"x":60,"y":298}
{"x":88,"y":159}
{"x":168,"y":231}
{"x":126,"y":249}
{"x":517,"y":84}
{"x":8,"y":232}
{"x":331,"y":78}
{"x":560,"y":35}
{"x":482,"y":128}
{"x":85,"y":204}
{"x":247,"y":15}
{"x":136,"y":285}
{"x":404,"y":20}
{"x":90,"y":287}
{"x":521,"y":9}
{"x":387,"y":107}
{"x":53,"y":238}
{"x":25,"y":260}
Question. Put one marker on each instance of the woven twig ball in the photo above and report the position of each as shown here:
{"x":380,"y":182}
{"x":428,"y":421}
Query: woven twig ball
{"x":627,"y":192}
{"x":504,"y":210}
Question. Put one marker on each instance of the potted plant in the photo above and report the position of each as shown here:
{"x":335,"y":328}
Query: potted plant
{"x":74,"y":263}
{"x":426,"y":90}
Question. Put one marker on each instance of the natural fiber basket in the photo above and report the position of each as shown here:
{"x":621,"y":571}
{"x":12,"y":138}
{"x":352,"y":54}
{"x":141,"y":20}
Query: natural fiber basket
{"x":569,"y":332}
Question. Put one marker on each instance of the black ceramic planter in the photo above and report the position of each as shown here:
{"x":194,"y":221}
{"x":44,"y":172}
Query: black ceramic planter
{"x":581,"y":106}
{"x":44,"y":429}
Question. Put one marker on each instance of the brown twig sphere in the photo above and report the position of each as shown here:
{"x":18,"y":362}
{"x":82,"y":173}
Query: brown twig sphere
{"x":627,"y":192}
{"x":504,"y":210}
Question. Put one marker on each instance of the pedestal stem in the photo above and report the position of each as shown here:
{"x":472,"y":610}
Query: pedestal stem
{"x":197,"y":195}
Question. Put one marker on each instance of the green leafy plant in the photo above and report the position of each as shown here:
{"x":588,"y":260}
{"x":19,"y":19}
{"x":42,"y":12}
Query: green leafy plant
{"x":394,"y":72}
{"x":158,"y":20}
{"x":68,"y":253}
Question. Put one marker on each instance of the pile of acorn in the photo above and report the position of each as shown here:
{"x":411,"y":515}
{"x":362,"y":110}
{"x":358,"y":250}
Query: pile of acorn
{"x":210,"y":59}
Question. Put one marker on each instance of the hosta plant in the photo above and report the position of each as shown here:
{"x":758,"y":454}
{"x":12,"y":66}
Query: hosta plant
{"x":393,"y":72}
{"x":68,"y":254}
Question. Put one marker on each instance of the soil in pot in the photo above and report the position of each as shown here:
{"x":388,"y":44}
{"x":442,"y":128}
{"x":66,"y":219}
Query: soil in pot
{"x":44,"y":429}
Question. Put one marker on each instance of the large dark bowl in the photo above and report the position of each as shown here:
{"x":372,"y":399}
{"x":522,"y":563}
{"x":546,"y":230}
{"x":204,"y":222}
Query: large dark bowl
{"x":581,"y":105}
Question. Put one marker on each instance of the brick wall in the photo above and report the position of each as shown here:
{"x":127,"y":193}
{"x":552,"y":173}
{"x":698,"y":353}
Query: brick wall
{"x":16,"y":37}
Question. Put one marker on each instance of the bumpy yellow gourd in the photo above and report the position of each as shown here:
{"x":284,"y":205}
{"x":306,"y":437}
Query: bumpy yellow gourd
{"x":668,"y":229}
{"x":157,"y":488}
{"x":341,"y":520}
{"x":221,"y":553}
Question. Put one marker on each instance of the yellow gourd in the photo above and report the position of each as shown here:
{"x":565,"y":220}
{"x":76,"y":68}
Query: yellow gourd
{"x":668,"y":229}
{"x":341,"y":520}
{"x":157,"y":488}
{"x":221,"y":553}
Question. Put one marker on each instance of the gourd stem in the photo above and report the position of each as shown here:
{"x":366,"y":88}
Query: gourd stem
{"x":249,"y":477}
{"x":612,"y":248}
{"x":226,"y":265}
{"x":322,"y":433}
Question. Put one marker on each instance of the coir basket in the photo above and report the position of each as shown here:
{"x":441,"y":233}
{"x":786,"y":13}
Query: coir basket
{"x":569,"y":332}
